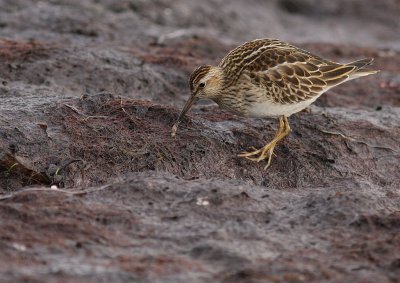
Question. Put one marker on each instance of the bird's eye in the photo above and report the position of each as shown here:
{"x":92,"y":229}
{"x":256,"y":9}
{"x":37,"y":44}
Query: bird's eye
{"x":202,"y":85}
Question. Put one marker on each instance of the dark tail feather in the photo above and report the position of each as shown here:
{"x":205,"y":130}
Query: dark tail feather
{"x":361,"y":69}
{"x":361,"y":63}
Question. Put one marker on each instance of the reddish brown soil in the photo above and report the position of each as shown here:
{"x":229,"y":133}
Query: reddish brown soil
{"x":89,"y":91}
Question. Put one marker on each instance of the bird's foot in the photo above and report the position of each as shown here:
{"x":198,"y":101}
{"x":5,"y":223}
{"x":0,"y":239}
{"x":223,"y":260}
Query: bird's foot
{"x":268,"y":150}
{"x":261,"y":154}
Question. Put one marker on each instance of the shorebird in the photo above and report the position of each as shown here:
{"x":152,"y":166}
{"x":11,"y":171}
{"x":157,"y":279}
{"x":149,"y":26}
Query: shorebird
{"x":269,"y":78}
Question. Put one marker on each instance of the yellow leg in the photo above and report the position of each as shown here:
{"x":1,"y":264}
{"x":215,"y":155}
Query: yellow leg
{"x":268,"y":150}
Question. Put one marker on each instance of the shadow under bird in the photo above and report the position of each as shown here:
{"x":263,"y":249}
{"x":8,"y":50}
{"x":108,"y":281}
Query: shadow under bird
{"x":269,"y":78}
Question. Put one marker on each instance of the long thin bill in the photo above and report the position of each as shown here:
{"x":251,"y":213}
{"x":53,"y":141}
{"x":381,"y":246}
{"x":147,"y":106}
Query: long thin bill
{"x":185,"y":109}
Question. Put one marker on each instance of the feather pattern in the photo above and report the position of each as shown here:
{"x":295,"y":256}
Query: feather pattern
{"x":284,"y":73}
{"x":269,"y":77}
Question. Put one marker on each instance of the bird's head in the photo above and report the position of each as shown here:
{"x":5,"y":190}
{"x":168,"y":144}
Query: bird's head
{"x":205,"y":82}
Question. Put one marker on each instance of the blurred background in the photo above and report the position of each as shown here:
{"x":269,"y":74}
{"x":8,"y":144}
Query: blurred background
{"x":361,"y":22}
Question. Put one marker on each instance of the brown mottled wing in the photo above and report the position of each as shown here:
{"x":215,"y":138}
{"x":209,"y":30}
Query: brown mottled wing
{"x":248,"y":55}
{"x":287,"y":74}
{"x":302,"y":79}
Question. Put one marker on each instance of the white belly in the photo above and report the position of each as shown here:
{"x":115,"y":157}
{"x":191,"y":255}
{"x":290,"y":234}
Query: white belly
{"x":268,"y":108}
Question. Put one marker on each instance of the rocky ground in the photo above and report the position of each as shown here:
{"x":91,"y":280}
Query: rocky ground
{"x":89,"y":91}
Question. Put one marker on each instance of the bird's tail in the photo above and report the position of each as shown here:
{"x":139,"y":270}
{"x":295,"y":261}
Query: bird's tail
{"x":361,"y":69}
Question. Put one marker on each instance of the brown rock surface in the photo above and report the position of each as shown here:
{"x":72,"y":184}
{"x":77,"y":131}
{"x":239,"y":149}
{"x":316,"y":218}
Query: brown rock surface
{"x":89,"y":91}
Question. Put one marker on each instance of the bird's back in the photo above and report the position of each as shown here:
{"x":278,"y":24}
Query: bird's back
{"x":282,"y":74}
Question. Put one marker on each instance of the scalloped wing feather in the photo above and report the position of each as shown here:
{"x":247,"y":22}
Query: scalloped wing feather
{"x":287,"y":73}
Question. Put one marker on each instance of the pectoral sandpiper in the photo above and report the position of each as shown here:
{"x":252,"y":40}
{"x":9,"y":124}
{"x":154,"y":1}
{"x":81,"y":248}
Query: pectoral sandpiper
{"x":269,"y":78}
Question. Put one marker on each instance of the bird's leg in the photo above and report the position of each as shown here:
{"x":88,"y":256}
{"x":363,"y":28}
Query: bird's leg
{"x":268,"y":150}
{"x":284,"y":133}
